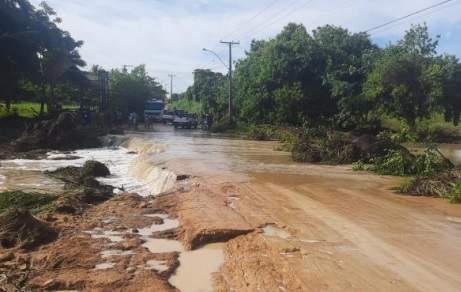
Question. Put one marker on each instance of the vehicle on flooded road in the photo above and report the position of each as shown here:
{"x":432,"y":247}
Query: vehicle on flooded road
{"x":154,"y":110}
{"x":185,"y":120}
{"x":168,"y":117}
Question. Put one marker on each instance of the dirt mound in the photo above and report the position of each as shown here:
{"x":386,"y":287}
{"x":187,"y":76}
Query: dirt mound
{"x":60,"y":133}
{"x":18,"y":228}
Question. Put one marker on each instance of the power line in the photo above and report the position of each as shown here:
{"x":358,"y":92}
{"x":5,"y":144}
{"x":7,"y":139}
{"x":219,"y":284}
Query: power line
{"x":408,"y":15}
{"x":430,"y":12}
{"x":261,"y":12}
{"x":290,"y":12}
{"x":271,"y":17}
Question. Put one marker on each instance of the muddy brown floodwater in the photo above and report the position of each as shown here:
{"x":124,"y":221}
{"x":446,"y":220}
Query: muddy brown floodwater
{"x":331,"y":228}
{"x":250,"y":219}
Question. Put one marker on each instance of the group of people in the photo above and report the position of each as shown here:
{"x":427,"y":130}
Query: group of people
{"x":133,"y":120}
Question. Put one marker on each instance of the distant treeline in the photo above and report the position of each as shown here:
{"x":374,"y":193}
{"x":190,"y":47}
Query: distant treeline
{"x":40,"y":62}
{"x":336,"y":78}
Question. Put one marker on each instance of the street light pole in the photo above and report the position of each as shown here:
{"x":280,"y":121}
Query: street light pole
{"x":216,"y":55}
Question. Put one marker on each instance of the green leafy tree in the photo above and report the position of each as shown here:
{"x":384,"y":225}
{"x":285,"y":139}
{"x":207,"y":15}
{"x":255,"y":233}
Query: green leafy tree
{"x":450,"y":88}
{"x":346,"y":56}
{"x":404,"y":77}
{"x":131,"y":90}
{"x":34,"y":49}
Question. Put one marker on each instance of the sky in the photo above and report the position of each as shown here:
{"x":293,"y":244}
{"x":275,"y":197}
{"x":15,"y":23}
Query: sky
{"x":168,"y":35}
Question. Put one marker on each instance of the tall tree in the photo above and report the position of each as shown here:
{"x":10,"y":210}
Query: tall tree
{"x":131,"y":90}
{"x":404,"y":77}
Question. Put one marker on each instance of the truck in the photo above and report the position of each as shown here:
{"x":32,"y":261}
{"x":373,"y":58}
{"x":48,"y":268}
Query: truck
{"x":153,"y":110}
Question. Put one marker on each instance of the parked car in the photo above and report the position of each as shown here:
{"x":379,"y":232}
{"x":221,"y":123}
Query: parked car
{"x":168,"y":117}
{"x":185,"y":120}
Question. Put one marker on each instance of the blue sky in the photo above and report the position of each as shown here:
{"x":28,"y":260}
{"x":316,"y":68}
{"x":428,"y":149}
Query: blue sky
{"x":168,"y":35}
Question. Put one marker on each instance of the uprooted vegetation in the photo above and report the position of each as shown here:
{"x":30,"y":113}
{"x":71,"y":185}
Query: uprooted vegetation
{"x":18,"y":226}
{"x":401,"y":163}
{"x":83,"y":188}
{"x":323,"y":145}
{"x":446,"y":184}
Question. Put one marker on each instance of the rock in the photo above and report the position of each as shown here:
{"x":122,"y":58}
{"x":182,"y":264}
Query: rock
{"x":93,"y":168}
{"x":18,"y":228}
{"x":182,"y":177}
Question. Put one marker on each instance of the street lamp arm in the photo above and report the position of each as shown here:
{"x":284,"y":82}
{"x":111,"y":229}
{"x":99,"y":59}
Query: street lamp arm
{"x":217,"y":56}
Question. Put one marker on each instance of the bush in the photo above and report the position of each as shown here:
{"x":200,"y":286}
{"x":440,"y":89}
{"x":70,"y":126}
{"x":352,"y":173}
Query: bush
{"x":445,"y":184}
{"x":221,"y":126}
{"x":394,"y":163}
{"x":430,"y":162}
{"x":400,"y":162}
{"x":263,"y":133}
{"x":455,"y":195}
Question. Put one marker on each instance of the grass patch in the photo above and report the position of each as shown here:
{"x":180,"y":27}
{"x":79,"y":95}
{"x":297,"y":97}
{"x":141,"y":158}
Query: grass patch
{"x":35,"y":202}
{"x":28,"y":109}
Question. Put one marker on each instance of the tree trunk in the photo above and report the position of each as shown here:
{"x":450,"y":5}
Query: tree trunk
{"x":42,"y":100}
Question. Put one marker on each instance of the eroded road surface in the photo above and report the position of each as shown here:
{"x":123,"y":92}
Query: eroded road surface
{"x":316,"y":228}
{"x":235,"y":215}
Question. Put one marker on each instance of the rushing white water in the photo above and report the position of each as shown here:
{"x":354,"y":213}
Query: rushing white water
{"x":134,"y":172}
{"x":136,"y":167}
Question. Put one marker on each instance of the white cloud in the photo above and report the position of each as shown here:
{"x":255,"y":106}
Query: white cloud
{"x":168,"y":35}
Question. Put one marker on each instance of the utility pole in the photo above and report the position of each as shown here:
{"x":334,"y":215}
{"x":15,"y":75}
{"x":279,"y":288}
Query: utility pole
{"x":125,"y":68}
{"x":230,"y":44}
{"x":171,"y":85}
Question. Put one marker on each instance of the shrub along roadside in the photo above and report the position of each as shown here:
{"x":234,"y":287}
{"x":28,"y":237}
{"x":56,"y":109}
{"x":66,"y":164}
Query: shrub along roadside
{"x":445,"y":184}
{"x":400,"y":163}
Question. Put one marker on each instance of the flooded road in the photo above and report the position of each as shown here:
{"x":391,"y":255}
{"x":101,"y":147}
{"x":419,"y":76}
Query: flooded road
{"x":316,"y":228}
{"x":352,"y":231}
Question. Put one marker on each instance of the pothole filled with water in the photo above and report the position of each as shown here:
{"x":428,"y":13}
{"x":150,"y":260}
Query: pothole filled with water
{"x":194,"y":273}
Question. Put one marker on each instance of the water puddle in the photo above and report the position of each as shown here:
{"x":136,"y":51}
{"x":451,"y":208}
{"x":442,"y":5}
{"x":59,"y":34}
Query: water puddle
{"x":160,"y":245}
{"x":159,"y":266}
{"x":196,"y":268}
{"x":167,"y":224}
{"x":273,"y":231}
